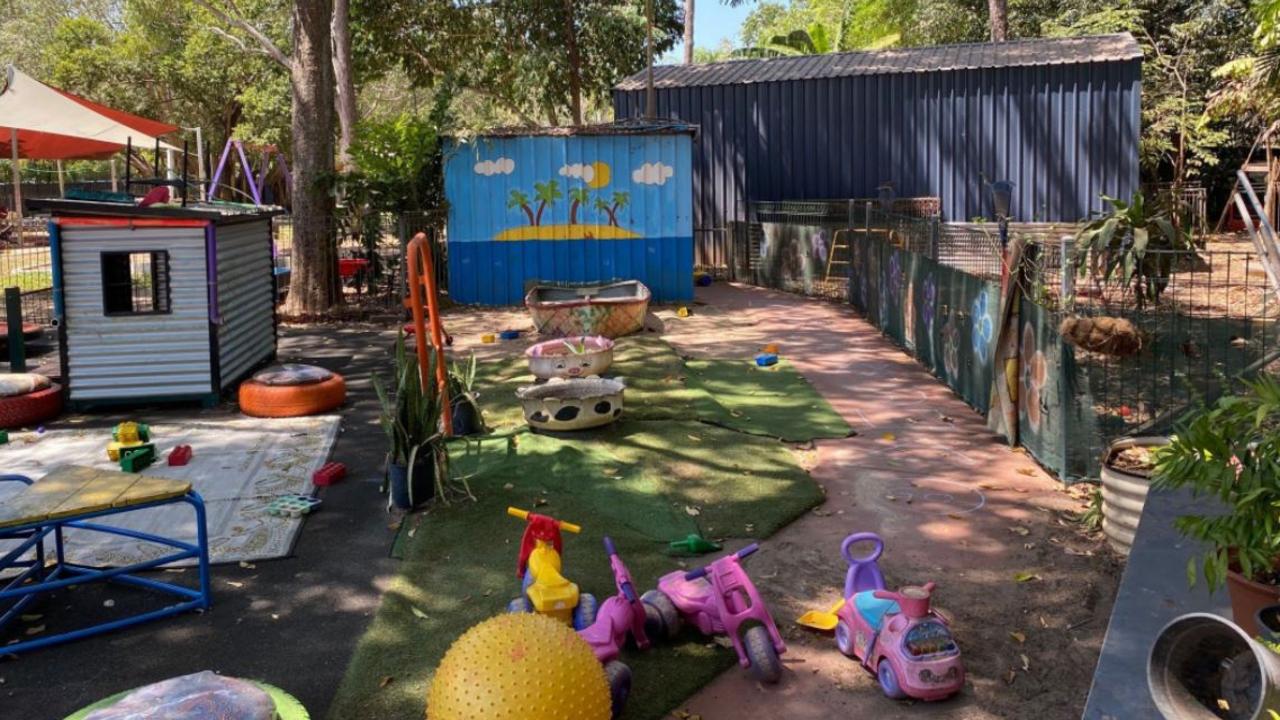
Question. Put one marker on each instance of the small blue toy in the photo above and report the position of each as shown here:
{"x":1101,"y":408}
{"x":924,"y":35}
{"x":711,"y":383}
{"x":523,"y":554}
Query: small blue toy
{"x":766,"y":359}
{"x":509,"y":334}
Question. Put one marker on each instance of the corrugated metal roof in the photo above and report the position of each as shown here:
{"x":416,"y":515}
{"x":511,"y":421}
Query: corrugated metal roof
{"x":973,"y":56}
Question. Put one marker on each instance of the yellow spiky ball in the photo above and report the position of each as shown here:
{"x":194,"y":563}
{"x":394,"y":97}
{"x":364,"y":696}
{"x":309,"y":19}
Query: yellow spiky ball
{"x":519,"y":666}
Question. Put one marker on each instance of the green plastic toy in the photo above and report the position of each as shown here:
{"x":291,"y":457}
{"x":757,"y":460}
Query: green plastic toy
{"x":692,"y":544}
{"x":136,"y":459}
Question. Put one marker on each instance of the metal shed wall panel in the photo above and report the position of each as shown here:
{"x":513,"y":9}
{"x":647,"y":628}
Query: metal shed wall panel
{"x":135,"y":356}
{"x":246,"y":335}
{"x":1063,"y":133}
{"x":636,"y":221}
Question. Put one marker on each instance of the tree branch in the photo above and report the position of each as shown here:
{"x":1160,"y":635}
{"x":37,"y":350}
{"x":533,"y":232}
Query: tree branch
{"x":233,"y":18}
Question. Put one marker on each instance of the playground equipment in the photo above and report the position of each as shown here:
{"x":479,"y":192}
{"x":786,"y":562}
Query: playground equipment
{"x":720,"y":599}
{"x":127,"y":435}
{"x":424,"y":303}
{"x":543,"y":589}
{"x":519,"y":667}
{"x":896,"y":636}
{"x":257,"y":180}
{"x":619,"y":616}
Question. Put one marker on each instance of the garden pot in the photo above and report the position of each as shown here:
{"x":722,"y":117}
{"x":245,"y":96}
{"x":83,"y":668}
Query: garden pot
{"x":578,"y":357}
{"x":1124,"y":492}
{"x":1268,"y":620}
{"x":1201,"y":661}
{"x":424,"y":484}
{"x":1247,"y":599}
{"x":466,"y":419}
{"x":572,"y":404}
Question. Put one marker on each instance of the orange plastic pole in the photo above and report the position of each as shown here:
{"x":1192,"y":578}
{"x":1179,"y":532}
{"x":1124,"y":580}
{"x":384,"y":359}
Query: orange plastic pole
{"x":423,"y":300}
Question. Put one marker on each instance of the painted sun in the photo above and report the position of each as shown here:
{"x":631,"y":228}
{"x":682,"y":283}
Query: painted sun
{"x":600,"y":175}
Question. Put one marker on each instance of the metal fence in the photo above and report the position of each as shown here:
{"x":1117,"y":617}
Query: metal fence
{"x":935,"y":289}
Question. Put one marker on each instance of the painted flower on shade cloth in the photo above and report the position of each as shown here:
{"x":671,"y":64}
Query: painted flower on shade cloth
{"x":895,"y":272}
{"x":929,"y":303}
{"x":818,"y":244}
{"x":909,"y":316}
{"x":951,"y":347}
{"x":884,"y":303}
{"x":1034,"y":373}
{"x":983,"y":326}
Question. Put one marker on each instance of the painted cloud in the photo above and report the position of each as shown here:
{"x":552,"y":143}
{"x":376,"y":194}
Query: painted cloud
{"x":584,"y":171}
{"x":652,"y":173}
{"x":499,"y":166}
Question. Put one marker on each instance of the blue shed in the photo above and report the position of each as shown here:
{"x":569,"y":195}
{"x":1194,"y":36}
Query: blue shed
{"x":570,"y":205}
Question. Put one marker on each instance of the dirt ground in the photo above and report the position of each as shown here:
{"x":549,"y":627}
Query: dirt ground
{"x":1029,"y":590}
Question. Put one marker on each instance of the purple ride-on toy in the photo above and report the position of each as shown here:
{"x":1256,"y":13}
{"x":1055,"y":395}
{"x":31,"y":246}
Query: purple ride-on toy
{"x":719,"y":599}
{"x":895,"y":635}
{"x":618,"y":615}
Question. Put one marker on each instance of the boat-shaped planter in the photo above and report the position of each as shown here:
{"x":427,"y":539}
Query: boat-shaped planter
{"x":578,"y":357}
{"x":610,"y":310}
{"x":560,"y":404}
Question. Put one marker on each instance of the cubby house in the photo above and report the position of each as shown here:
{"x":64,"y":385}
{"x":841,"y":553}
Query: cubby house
{"x":160,"y":304}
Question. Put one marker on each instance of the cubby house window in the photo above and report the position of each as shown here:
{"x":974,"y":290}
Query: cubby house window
{"x":135,"y":283}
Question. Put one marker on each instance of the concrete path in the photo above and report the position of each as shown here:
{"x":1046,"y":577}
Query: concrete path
{"x":954,"y":505}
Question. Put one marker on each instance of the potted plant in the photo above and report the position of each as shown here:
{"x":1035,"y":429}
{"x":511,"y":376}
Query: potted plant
{"x":1117,"y":248}
{"x":463,"y":399}
{"x":1231,"y":451}
{"x":1126,"y":477}
{"x":411,"y":414}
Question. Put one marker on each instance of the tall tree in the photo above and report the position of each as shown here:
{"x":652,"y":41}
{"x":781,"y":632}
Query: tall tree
{"x":688,"y":31}
{"x":998,"y":12}
{"x":344,"y":76}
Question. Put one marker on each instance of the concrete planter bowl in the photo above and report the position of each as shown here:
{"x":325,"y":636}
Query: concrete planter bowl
{"x":578,"y":357}
{"x":572,"y":404}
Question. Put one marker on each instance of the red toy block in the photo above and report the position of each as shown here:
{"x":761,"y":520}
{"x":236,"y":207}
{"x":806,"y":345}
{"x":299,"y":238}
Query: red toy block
{"x":329,"y":473}
{"x":180,"y":455}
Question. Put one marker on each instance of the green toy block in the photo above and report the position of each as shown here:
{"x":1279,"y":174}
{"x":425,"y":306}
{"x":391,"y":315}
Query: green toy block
{"x":693,"y":544}
{"x":136,"y":459}
{"x":4,"y":437}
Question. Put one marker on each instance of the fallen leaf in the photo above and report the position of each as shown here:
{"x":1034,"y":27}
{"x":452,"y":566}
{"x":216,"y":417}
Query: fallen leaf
{"x":692,"y":511}
{"x":611,"y":471}
{"x":247,"y":565}
{"x":1026,"y":664}
{"x":1029,"y":472}
{"x":35,"y":629}
{"x":989,"y":486}
{"x":1009,"y":677}
{"x":418,"y":613}
{"x":723,"y":641}
{"x":108,"y":603}
{"x":735,"y":413}
{"x":1020,"y":530}
{"x":275,"y":616}
{"x":487,"y":593}
{"x":1028,"y":546}
{"x":539,"y":502}
{"x":508,"y":486}
{"x":1043,"y":623}
{"x":30,"y":618}
{"x":888,"y":437}
{"x":1073,"y":551}
{"x":385,"y":681}
{"x":891,"y":498}
{"x":1026,"y":576}
{"x":955,"y":516}
{"x":1019,"y":636}
{"x":235,"y":584}
{"x":694,"y":438}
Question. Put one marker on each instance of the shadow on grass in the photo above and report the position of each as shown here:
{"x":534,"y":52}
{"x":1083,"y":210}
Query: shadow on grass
{"x":638,"y":481}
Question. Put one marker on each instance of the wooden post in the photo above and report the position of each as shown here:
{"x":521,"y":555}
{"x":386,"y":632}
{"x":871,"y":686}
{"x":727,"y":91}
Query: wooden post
{"x":115,"y":184}
{"x":17,"y":343}
{"x":62,"y":183}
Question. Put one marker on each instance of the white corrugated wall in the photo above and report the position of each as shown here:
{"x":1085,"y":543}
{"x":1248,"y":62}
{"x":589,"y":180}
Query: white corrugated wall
{"x":136,"y":356}
{"x":245,"y":298}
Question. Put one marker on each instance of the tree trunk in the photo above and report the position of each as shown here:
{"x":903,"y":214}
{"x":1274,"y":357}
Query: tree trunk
{"x":575,"y":63}
{"x":345,"y":80}
{"x":999,"y":12}
{"x":688,"y":32}
{"x":313,"y":283}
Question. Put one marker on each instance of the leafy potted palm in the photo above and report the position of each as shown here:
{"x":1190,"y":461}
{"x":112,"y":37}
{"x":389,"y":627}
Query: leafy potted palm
{"x":411,"y":412}
{"x":1231,"y":451}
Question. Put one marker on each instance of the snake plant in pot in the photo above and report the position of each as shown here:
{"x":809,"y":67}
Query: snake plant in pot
{"x":411,"y":411}
{"x":1230,"y":451}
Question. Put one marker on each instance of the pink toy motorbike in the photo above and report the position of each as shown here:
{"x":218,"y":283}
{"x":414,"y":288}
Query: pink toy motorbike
{"x":895,"y":635}
{"x":621,"y":614}
{"x":719,"y":599}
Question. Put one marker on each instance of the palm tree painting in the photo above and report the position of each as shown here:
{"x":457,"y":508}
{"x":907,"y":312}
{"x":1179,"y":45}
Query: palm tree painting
{"x":520,"y":200}
{"x":620,"y":200}
{"x":547,"y":192}
{"x":580,"y":196}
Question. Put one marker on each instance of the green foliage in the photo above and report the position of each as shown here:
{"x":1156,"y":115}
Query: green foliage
{"x":400,"y":166}
{"x":1230,"y":452}
{"x":1115,"y":245}
{"x":411,"y":412}
{"x":462,"y":381}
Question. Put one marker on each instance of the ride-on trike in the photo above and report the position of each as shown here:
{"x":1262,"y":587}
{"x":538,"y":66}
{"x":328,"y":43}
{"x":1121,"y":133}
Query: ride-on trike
{"x":543,"y":589}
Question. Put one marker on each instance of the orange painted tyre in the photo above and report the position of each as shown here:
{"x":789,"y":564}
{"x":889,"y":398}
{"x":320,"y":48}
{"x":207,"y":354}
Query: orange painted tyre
{"x":262,"y":400}
{"x":32,"y":408}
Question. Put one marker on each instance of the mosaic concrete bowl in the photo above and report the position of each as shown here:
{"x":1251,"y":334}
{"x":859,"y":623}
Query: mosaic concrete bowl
{"x":577,"y":357}
{"x":572,"y":404}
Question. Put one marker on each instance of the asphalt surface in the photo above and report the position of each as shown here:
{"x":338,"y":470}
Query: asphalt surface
{"x":292,"y":622}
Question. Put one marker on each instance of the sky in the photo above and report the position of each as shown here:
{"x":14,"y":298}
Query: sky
{"x":713,"y":21}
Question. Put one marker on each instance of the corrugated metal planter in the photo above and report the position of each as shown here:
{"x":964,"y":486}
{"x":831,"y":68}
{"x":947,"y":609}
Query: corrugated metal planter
{"x":160,"y":304}
{"x":1124,"y":493}
{"x":591,"y":205}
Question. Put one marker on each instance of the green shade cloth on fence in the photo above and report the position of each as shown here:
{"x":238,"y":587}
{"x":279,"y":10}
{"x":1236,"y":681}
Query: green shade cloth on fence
{"x":777,"y":401}
{"x":644,"y":483}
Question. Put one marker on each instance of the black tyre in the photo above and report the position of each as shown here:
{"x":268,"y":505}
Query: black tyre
{"x":661,"y":619}
{"x":764,"y":659}
{"x":619,"y":676}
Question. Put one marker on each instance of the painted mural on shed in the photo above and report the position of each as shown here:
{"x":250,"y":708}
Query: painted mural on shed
{"x":587,"y":205}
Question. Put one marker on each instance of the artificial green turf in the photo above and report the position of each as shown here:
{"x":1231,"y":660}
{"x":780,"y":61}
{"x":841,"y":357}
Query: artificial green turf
{"x":776,"y":401}
{"x":638,"y":481}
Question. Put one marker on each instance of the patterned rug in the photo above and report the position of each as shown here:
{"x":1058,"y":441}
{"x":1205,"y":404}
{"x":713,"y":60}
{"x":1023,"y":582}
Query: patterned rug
{"x":238,"y":466}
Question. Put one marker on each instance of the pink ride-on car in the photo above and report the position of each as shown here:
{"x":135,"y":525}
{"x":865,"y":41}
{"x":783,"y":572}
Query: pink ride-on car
{"x":896,"y":635}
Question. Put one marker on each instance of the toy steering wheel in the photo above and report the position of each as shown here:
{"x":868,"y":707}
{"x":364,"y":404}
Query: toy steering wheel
{"x":864,"y":572}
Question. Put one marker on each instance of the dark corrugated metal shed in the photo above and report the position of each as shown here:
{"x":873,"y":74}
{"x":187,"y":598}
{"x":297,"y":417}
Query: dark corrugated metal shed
{"x":1059,"y":117}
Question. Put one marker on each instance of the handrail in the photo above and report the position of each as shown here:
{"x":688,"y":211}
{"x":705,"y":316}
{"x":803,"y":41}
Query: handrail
{"x":424,"y":304}
{"x":1264,"y":235}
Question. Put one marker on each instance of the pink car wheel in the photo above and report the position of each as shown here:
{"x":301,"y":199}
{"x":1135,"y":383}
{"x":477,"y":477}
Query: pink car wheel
{"x":844,"y":638}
